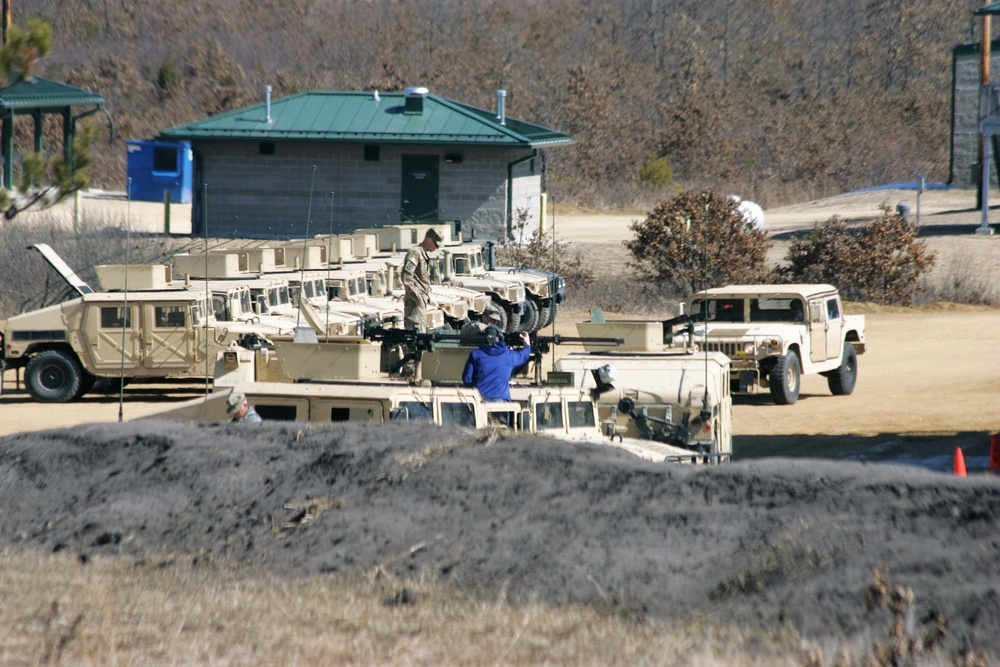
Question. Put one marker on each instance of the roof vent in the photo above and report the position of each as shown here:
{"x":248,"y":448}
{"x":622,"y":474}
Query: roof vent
{"x":267,"y":103}
{"x":502,"y":106}
{"x":414,"y":99}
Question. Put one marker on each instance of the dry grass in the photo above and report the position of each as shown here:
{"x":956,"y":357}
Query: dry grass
{"x":59,"y":611}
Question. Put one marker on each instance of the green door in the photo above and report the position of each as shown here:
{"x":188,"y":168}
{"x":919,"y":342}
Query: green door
{"x":420,"y":188}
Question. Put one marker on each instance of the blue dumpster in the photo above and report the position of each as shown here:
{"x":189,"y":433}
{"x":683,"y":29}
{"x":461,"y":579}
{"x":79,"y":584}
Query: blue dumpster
{"x":158,"y":166}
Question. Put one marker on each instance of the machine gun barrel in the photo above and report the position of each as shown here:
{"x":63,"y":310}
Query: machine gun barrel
{"x":426,"y":340}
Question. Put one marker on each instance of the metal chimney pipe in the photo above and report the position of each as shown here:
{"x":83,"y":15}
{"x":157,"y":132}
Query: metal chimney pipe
{"x":501,"y":104}
{"x":267,"y":103}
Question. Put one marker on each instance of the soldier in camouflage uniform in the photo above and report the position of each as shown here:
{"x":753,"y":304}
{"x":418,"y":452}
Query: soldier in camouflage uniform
{"x":416,"y":279}
{"x":490,"y":316}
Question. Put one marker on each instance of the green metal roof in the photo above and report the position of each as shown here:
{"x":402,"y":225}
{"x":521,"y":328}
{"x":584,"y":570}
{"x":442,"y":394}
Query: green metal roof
{"x":334,"y":116}
{"x":991,"y":8}
{"x":39,"y":93}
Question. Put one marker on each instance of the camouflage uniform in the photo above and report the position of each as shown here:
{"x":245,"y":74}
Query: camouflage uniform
{"x":417,"y":284}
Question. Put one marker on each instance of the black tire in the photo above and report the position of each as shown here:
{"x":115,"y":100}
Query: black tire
{"x":86,"y":384}
{"x":842,"y":380}
{"x":503,"y":315}
{"x":53,"y":376}
{"x":549,"y":315}
{"x":785,"y":378}
{"x":513,"y":320}
{"x":530,"y":319}
{"x":544,"y":316}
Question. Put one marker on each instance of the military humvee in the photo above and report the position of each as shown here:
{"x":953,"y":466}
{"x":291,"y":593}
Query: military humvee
{"x":508,"y":295}
{"x":773,"y":334}
{"x":650,"y":388}
{"x":342,"y":381}
{"x":151,"y":329}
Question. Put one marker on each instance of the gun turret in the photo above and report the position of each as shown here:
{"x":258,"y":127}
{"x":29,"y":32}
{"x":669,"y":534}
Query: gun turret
{"x":416,"y":343}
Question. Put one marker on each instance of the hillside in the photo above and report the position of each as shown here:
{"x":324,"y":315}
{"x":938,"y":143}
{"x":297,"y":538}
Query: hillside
{"x":811,"y":98}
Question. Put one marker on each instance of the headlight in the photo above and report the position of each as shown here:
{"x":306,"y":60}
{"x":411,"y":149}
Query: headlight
{"x":749,"y":348}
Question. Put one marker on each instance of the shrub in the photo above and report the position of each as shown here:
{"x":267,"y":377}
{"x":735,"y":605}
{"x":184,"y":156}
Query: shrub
{"x":168,"y":78}
{"x":541,"y":252}
{"x":656,"y":172}
{"x":879,"y":262}
{"x":697,"y":240}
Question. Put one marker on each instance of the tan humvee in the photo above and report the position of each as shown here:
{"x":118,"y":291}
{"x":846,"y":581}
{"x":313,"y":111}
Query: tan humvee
{"x":342,"y":381}
{"x":774,"y":334}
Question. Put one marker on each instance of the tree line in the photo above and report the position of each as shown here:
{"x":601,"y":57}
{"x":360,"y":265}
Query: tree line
{"x":774,"y":100}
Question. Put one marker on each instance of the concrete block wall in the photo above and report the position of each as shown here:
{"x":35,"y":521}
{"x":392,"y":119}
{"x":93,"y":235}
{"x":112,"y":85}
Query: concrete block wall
{"x":268,"y":196}
{"x":965,"y":119}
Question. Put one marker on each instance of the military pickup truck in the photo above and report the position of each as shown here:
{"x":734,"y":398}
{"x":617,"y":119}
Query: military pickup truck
{"x":776,"y":333}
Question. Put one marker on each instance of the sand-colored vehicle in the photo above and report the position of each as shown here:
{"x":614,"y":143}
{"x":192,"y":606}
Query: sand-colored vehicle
{"x":342,"y":380}
{"x":545,"y":289}
{"x":651,"y":388}
{"x":142,"y":325}
{"x":463,"y":267}
{"x":774,"y":334}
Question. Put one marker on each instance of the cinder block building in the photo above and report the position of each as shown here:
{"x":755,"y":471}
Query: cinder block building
{"x":965,"y":116}
{"x":328,"y":160}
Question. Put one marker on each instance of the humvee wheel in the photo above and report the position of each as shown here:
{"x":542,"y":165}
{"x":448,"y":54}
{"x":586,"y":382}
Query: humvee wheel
{"x":530,"y":320}
{"x":785,"y":377}
{"x":547,"y":314}
{"x":53,"y":376}
{"x":842,"y":380}
{"x":513,"y":320}
{"x":86,"y":384}
{"x":502,"y":324}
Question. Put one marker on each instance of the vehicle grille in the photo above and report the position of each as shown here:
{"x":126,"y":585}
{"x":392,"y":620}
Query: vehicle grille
{"x":731,"y":350}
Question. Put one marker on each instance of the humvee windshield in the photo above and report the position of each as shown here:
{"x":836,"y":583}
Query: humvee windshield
{"x":220,"y":306}
{"x":581,"y":413}
{"x":413,"y":411}
{"x":337,"y":289}
{"x":770,"y":309}
{"x":457,"y":414}
{"x":548,"y":416}
{"x":719,"y":310}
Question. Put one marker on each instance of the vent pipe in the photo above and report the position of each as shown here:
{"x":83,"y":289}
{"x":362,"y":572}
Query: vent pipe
{"x":267,"y":103}
{"x":501,"y":104}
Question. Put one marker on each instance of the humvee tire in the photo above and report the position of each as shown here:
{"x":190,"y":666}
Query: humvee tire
{"x":502,"y":324}
{"x":86,"y":384}
{"x":842,"y":380}
{"x":530,"y":320}
{"x":547,"y":315}
{"x":53,"y":376}
{"x":785,"y":378}
{"x":512,"y":319}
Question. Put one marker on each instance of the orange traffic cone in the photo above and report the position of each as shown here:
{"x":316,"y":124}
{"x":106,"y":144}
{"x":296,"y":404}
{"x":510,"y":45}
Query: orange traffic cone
{"x":994,"y":452}
{"x":959,"y":462}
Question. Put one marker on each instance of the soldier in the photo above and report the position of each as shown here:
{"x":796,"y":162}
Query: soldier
{"x":239,"y":411}
{"x":490,"y":316}
{"x":416,"y":279}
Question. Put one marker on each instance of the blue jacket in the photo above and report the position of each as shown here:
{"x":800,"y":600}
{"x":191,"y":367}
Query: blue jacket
{"x":489,"y":367}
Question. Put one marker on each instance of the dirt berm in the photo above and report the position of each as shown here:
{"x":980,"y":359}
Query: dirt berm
{"x":768,"y":544}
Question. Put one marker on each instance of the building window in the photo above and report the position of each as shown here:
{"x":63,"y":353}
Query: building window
{"x":371,"y":153}
{"x":267,"y":148}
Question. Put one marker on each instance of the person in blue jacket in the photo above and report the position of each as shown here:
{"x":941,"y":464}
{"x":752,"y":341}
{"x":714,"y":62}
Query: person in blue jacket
{"x":490,"y":365}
